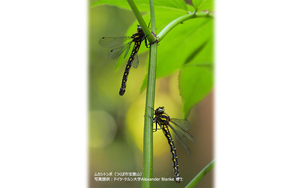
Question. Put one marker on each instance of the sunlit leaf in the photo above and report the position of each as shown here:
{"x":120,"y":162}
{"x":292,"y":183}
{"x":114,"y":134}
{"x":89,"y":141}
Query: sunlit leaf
{"x":195,"y":83}
{"x":180,"y":45}
{"x":190,"y":8}
{"x":143,"y":5}
{"x":196,"y":79}
{"x":197,"y":3}
{"x":203,"y":5}
{"x":175,"y":4}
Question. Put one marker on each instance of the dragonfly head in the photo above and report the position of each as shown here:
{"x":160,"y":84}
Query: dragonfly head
{"x":160,"y":110}
{"x":139,"y":28}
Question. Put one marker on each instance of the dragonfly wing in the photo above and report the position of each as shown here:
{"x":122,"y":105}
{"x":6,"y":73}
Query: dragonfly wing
{"x":127,"y":51}
{"x":110,"y":42}
{"x":182,"y":139}
{"x":115,"y":53}
{"x":181,"y":130}
{"x":135,"y":62}
{"x":183,"y":123}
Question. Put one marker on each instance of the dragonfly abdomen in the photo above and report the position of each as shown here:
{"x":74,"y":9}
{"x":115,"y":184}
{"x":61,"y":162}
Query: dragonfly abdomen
{"x":173,"y":152}
{"x":128,"y":66}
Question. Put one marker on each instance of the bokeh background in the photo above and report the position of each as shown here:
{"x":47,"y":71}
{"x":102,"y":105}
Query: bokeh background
{"x":116,"y":123}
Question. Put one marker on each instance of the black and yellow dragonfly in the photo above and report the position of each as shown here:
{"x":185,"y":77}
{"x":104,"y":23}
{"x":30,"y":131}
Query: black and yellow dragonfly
{"x":179,"y":129}
{"x":110,"y":42}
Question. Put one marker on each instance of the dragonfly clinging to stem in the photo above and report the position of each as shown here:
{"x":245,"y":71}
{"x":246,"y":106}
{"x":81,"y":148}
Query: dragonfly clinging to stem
{"x":179,"y":128}
{"x":110,"y":42}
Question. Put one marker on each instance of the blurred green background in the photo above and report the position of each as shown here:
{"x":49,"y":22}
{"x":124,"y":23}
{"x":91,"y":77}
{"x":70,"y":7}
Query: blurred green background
{"x":116,"y":123}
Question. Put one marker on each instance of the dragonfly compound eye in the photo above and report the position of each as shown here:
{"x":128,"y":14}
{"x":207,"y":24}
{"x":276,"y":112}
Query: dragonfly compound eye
{"x":160,"y":109}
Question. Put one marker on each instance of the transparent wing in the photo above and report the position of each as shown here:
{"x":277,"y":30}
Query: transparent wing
{"x":110,"y":42}
{"x":182,"y":123}
{"x":181,"y":137}
{"x":135,"y":62}
{"x":127,"y":50}
{"x":180,"y":127}
{"x":115,"y":53}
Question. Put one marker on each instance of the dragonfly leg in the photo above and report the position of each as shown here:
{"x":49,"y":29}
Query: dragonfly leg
{"x":152,"y":119}
{"x":151,"y":108}
{"x":154,"y":130}
{"x":146,"y":43}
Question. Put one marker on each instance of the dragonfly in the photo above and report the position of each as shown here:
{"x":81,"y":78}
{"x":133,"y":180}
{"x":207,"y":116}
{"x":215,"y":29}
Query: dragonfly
{"x":179,"y":127}
{"x":110,"y":42}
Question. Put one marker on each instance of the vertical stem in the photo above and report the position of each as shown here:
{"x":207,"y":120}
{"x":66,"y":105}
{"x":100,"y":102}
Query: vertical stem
{"x":150,"y":97}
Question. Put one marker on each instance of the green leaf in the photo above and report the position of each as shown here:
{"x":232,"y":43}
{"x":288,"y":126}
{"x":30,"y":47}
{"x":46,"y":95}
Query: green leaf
{"x":196,"y":79}
{"x":190,"y":8}
{"x":181,"y":44}
{"x":203,"y":55}
{"x":175,"y":4}
{"x":143,"y":5}
{"x":197,"y":3}
{"x":201,"y":5}
{"x":195,"y":83}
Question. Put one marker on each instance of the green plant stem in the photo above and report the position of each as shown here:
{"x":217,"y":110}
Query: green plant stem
{"x":150,"y":95}
{"x":179,"y":20}
{"x":150,"y":98}
{"x":141,"y":21}
{"x":201,"y":174}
